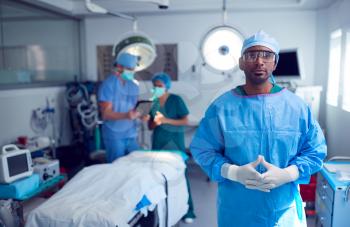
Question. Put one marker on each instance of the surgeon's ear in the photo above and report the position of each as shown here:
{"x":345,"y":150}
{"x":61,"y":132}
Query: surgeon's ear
{"x":275,"y":66}
{"x":241,"y":64}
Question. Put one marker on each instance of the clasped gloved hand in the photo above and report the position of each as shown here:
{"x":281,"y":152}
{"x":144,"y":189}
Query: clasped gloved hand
{"x":244,"y":174}
{"x":274,"y":176}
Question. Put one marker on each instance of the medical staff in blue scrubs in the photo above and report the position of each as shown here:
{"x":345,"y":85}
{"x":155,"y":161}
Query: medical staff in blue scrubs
{"x":259,"y":141}
{"x":118,"y":95}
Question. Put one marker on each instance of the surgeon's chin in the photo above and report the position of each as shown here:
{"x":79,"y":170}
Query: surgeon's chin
{"x":258,"y":79}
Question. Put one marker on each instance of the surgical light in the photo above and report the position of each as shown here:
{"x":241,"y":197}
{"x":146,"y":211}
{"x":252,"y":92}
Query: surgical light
{"x":136,"y":43}
{"x":221,"y":48}
{"x":139,"y":45}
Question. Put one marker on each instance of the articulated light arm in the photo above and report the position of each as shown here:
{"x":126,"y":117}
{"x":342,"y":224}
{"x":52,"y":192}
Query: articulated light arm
{"x":162,"y":4}
{"x":94,"y":8}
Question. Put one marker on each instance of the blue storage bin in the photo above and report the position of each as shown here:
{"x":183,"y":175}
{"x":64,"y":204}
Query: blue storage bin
{"x":20,"y":188}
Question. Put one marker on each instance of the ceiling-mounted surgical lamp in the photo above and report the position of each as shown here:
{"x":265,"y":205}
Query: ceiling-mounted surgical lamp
{"x":135,"y":43}
{"x":139,"y":45}
{"x":221,"y":46}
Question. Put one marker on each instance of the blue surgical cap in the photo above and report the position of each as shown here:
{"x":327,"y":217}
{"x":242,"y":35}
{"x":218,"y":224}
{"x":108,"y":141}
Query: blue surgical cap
{"x":261,"y":38}
{"x":164,"y":77}
{"x":126,"y":60}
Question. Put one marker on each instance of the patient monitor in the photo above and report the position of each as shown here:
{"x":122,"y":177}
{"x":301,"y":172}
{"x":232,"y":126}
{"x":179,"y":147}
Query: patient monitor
{"x":14,"y":163}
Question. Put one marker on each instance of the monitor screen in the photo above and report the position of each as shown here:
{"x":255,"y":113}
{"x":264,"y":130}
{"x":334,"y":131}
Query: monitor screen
{"x":288,"y":66}
{"x":17,"y":164}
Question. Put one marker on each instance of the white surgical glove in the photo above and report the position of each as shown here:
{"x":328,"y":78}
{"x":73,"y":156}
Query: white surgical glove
{"x":243,"y":174}
{"x":274,"y":176}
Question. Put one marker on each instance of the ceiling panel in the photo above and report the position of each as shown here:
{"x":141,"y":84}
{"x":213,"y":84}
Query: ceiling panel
{"x":181,"y":6}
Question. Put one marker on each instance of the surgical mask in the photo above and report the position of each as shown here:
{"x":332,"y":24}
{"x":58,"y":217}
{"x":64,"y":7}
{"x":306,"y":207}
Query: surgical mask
{"x":127,"y":75}
{"x":158,"y":92}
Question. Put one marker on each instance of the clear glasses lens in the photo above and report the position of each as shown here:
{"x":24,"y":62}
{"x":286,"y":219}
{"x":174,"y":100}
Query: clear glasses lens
{"x":252,"y":56}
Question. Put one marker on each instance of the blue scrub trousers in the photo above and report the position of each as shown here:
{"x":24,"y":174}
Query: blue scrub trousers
{"x":116,"y":148}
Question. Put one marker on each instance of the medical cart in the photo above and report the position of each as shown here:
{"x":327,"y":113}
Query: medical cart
{"x":333,"y":196}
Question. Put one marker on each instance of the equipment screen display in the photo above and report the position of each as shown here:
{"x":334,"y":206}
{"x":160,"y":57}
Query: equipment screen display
{"x":143,"y":107}
{"x":287,"y":65}
{"x":17,"y":164}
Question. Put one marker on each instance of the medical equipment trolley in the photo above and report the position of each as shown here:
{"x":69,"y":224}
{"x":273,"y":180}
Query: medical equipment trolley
{"x":332,"y":195}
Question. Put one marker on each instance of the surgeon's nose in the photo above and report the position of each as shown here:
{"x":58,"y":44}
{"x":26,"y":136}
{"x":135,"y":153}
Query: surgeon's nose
{"x":259,"y":60}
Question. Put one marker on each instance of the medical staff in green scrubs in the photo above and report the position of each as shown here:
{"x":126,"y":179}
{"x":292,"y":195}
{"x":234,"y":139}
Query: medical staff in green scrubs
{"x":168,"y":117}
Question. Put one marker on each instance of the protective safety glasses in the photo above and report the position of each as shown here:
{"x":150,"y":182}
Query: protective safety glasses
{"x":266,"y":56}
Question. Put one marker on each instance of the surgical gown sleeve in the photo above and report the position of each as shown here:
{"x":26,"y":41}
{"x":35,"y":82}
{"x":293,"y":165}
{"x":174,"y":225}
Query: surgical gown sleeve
{"x":105,"y":91}
{"x":207,"y":146}
{"x":312,"y":150}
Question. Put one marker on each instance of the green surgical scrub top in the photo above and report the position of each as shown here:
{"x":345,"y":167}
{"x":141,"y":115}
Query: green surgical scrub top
{"x":166,"y":136}
{"x":240,"y":90}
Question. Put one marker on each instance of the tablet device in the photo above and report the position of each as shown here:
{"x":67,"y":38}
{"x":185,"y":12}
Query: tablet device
{"x":143,"y":107}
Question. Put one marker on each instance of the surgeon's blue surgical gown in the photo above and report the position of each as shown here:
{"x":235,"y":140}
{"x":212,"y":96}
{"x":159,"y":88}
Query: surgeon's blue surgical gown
{"x":236,"y":129}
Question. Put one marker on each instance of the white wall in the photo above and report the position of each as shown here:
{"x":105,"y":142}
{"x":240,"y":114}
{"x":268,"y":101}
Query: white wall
{"x":16,"y":110}
{"x":337,"y":120}
{"x":321,"y":61}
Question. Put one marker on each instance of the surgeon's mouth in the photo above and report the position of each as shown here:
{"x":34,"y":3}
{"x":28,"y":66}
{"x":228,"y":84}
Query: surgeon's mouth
{"x":259,"y":73}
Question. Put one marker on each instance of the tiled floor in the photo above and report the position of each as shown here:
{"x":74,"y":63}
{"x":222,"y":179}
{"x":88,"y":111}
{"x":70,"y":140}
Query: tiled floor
{"x":204,"y":198}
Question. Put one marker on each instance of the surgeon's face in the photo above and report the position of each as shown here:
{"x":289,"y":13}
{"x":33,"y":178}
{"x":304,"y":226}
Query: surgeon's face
{"x":257,"y":64}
